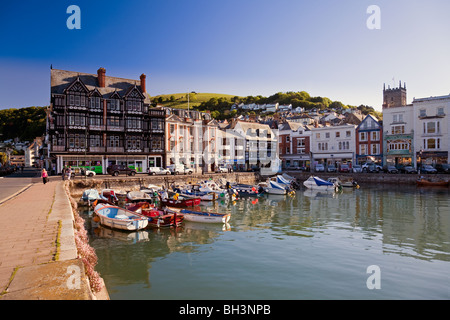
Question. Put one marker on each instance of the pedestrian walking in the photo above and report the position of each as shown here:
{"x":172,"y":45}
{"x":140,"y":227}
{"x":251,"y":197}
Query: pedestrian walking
{"x":69,"y":172}
{"x":44,"y":176}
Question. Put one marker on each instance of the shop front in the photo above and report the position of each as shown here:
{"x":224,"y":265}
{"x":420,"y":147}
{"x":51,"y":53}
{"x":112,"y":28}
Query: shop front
{"x":335,"y":159}
{"x":139,"y":163}
{"x":93,"y":163}
{"x":398,"y":150}
{"x":432,"y":157}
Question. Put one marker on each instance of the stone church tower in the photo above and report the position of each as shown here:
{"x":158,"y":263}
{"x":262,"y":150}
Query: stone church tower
{"x":395,"y":97}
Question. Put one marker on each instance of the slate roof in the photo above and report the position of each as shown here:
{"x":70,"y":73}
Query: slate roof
{"x":61,"y":79}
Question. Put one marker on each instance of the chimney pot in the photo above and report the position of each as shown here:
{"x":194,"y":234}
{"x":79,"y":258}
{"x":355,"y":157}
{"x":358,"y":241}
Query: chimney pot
{"x":143,"y":88}
{"x":101,"y":77}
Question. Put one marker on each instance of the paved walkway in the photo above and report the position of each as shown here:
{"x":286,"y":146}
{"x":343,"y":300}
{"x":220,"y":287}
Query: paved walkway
{"x":31,"y":224}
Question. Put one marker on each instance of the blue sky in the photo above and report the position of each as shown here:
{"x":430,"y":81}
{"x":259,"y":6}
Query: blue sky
{"x":245,"y":47}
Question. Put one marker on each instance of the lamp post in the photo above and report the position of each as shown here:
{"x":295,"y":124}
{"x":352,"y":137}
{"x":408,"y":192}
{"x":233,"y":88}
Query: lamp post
{"x":420,"y":161}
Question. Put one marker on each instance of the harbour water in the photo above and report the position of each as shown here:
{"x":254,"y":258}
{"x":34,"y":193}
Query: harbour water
{"x":309,"y":246}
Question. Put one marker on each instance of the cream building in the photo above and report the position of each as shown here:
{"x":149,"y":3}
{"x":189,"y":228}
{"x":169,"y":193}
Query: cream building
{"x":333,"y":145}
{"x":431,"y":129}
{"x":191,"y":139}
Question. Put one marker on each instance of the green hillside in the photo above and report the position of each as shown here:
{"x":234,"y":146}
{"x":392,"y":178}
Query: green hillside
{"x":180,"y":100}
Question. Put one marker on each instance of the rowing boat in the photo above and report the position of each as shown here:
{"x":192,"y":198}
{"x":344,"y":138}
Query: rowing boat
{"x":203,"y":216}
{"x":119,"y":218}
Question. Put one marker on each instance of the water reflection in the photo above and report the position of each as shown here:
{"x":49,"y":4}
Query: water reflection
{"x":383,"y":222}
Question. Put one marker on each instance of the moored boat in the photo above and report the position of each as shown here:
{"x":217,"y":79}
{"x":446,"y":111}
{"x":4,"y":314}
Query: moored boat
{"x":136,"y":196}
{"x":179,"y":201}
{"x":346,"y":183}
{"x":119,"y":218}
{"x":271,"y":187}
{"x":204,"y":196}
{"x":203,"y":216}
{"x":247,"y":189}
{"x":90,"y":195}
{"x":158,"y":218}
{"x":162,"y":218}
{"x":432,"y":183}
{"x":317,"y":183}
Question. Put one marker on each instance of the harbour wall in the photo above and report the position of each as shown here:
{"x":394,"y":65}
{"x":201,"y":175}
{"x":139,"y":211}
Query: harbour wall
{"x":78,"y":185}
{"x":371,"y":178}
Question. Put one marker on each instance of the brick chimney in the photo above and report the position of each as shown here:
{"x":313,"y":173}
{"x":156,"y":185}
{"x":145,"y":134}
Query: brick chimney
{"x":144,"y":90}
{"x":101,"y":77}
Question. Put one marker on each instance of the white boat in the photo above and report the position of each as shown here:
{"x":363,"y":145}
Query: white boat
{"x":346,"y":183}
{"x":110,"y":195}
{"x":90,"y":195}
{"x":271,"y":187}
{"x":317,"y":183}
{"x":211,"y":186}
{"x":138,"y":196}
{"x":204,"y":196}
{"x":203,"y":216}
{"x":119,"y":218}
{"x":151,"y":189}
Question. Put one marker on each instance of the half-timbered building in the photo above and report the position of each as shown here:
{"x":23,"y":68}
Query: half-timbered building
{"x":97,"y":120}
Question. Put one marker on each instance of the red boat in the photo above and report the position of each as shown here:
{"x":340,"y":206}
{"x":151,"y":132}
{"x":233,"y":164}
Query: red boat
{"x":181,"y":202}
{"x":158,"y":218}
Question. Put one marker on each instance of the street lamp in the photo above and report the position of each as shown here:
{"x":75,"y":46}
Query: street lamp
{"x":420,"y":161}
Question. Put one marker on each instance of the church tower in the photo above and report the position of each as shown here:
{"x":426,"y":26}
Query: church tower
{"x":395,"y":97}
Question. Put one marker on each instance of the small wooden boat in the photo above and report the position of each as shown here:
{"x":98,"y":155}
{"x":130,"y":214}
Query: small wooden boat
{"x":203,"y":216}
{"x":137,"y":196}
{"x":110,"y":195}
{"x":161,"y":218}
{"x":151,"y":189}
{"x":430,"y":183}
{"x":346,"y":183}
{"x":247,"y":189}
{"x":204,"y":196}
{"x":180,"y":201}
{"x":119,"y":218}
{"x":156,"y":217}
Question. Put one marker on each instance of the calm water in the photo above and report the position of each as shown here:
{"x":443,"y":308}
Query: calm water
{"x":311,"y":246}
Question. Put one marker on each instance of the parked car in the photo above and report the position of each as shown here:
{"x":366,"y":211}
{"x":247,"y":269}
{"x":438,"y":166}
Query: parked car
{"x":391,"y":169}
{"x":319,"y":168}
{"x":222,"y":169}
{"x":427,"y":169}
{"x":408,"y":169}
{"x":344,"y":168}
{"x":356,"y":168}
{"x":158,"y":170}
{"x":443,"y":167}
{"x":117,"y":169}
{"x":331,"y":168}
{"x":81,"y":171}
{"x":180,"y":169}
{"x":371,"y":167}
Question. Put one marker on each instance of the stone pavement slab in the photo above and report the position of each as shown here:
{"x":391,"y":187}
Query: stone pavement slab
{"x":63,"y":280}
{"x":31,"y":265}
